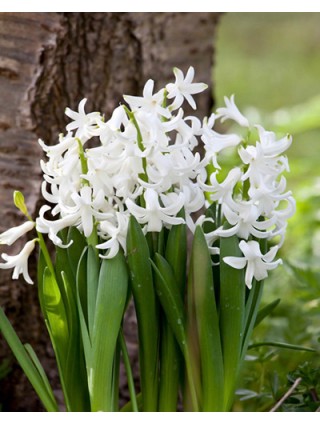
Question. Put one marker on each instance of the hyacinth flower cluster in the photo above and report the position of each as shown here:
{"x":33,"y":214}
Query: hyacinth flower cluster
{"x":127,"y":189}
{"x":147,"y":165}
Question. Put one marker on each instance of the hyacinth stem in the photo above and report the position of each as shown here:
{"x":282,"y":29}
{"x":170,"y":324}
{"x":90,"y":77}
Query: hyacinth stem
{"x":83,"y":161}
{"x":45,"y":253}
{"x":139,"y":141}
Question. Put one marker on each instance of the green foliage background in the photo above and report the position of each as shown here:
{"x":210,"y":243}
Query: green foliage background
{"x":271,"y":62}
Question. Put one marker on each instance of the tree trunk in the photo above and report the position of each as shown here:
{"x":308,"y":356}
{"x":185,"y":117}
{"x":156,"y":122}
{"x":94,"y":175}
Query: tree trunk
{"x":52,"y":60}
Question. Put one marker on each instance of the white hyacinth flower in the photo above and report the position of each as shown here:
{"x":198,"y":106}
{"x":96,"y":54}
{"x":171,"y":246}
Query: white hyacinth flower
{"x":116,"y":232}
{"x":153,"y":214}
{"x":257,"y":263}
{"x":231,"y":112}
{"x":184,"y":88}
{"x":10,"y":236}
{"x":214,"y":142}
{"x":270,"y":145}
{"x":151,"y":103}
{"x":82,"y":122}
{"x":19,"y":262}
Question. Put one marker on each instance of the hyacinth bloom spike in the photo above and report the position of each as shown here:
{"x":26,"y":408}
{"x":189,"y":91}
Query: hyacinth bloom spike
{"x":144,"y":163}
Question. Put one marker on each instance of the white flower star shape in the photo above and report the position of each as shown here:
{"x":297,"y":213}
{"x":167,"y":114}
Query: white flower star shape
{"x":257,"y":263}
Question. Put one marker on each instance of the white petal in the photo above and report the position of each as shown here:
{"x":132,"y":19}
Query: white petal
{"x":250,"y":249}
{"x":249,"y":274}
{"x":12,"y":235}
{"x":269,"y":256}
{"x":235,"y":262}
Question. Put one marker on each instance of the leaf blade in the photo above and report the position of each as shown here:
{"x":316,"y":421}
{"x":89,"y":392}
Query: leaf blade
{"x":147,"y":313}
{"x":26,"y":363}
{"x":111,"y":299}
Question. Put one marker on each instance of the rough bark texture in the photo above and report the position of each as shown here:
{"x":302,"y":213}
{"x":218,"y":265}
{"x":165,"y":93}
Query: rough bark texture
{"x":49,"y":61}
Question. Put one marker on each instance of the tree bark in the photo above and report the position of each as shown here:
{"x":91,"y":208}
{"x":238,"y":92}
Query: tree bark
{"x":52,"y":60}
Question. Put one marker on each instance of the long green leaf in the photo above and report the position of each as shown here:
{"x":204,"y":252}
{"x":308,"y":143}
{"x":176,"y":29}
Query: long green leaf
{"x":265,"y":311}
{"x":232,"y":313}
{"x":82,"y":310}
{"x":170,"y":299}
{"x":75,"y":250}
{"x":126,"y":361}
{"x":93,"y":269}
{"x":169,"y":296}
{"x":27,"y":365}
{"x":207,"y":323}
{"x":38,"y":365}
{"x":252,"y":306}
{"x":251,"y":312}
{"x":75,"y":376}
{"x":146,"y":311}
{"x":53,"y":308}
{"x":111,"y":299}
{"x":170,"y":359}
{"x":192,"y":394}
{"x":176,"y":253}
{"x":170,"y":355}
{"x":281,"y":345}
{"x":172,"y":364}
{"x":130,"y":407}
{"x":55,"y":313}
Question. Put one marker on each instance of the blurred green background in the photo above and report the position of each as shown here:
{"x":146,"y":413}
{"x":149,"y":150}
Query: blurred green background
{"x":271,"y":62}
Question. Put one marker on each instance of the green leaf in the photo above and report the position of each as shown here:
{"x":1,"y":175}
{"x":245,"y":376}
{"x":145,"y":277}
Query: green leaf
{"x":126,"y":361}
{"x":207,"y":321}
{"x":116,"y":377}
{"x":75,"y":376}
{"x":81,"y":279}
{"x":111,"y":299}
{"x":280,"y":345}
{"x":40,"y":370}
{"x":93,"y":269}
{"x":146,"y":311}
{"x":75,"y":250}
{"x":232,"y":312}
{"x":82,"y":311}
{"x":251,"y":311}
{"x":170,"y":299}
{"x":265,"y":311}
{"x":131,"y":407}
{"x":27,"y":365}
{"x":170,"y":362}
{"x":176,"y":253}
{"x":55,"y":313}
{"x":173,"y":331}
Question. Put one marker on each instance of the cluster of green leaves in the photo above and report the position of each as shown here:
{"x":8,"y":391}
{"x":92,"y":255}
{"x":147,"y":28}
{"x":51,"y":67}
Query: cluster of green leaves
{"x":83,"y":299}
{"x":200,"y":323}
